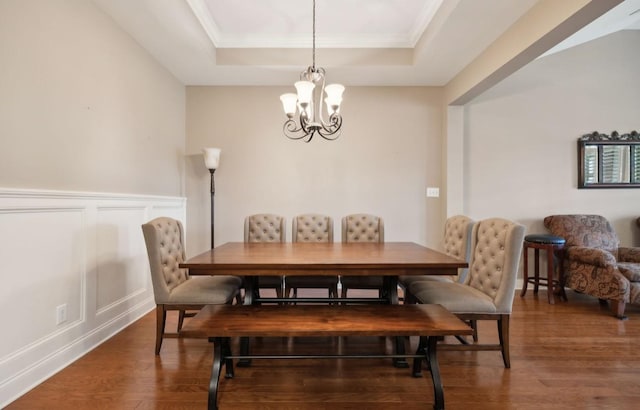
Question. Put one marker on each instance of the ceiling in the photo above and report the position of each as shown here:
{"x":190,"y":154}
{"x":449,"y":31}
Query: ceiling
{"x":359,"y":42}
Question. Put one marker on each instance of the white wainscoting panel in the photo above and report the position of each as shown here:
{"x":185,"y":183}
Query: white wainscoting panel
{"x":81,"y":250}
{"x":122,"y":276}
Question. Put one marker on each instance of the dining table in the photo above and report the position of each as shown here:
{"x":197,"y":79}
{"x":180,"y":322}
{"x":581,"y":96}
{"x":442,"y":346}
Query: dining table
{"x":388,"y":260}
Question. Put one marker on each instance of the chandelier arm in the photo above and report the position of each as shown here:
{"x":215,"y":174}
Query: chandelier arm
{"x":335,"y":122}
{"x":334,"y":119}
{"x":332,"y":130}
{"x":310,"y":137}
{"x":292,"y":131}
{"x":332,"y":136}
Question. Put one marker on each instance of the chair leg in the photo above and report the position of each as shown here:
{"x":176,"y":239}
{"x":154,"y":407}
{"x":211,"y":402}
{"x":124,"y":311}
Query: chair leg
{"x":474,"y":326}
{"x":503,"y":334}
{"x":181,"y":315}
{"x":617,"y":307}
{"x":409,"y":299}
{"x":290,"y":292}
{"x":161,"y":318}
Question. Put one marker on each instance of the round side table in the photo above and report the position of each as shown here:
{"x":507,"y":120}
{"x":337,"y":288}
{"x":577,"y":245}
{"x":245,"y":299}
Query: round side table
{"x":554,"y":246}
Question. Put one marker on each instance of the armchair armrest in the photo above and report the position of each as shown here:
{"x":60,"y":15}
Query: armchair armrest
{"x":629,"y":255}
{"x":591,"y":256}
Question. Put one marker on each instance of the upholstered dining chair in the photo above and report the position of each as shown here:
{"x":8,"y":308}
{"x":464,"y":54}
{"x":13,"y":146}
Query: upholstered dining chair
{"x":457,"y":243}
{"x":173,"y":288}
{"x":314,"y":228}
{"x":266,"y":228}
{"x":488,"y":290}
{"x":361,"y":228}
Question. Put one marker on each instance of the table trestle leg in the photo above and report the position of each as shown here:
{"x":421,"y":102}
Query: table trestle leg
{"x":244,"y":351}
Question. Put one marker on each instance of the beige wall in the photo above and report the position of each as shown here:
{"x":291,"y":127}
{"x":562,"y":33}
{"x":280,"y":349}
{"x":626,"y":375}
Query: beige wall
{"x":83,"y":106}
{"x":521,"y":136}
{"x":389,"y":152}
{"x":83,"y":109}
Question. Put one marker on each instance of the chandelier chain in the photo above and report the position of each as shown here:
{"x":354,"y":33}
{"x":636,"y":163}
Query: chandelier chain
{"x":314,"y":35}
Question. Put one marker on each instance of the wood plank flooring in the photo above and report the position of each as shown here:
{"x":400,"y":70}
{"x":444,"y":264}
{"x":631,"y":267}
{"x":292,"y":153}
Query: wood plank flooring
{"x":571,"y":355}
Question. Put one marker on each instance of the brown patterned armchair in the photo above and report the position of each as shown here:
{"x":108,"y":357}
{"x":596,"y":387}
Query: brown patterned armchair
{"x":594,"y":262}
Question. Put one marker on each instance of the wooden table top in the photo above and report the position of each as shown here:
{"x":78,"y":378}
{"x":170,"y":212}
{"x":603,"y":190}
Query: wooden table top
{"x":323,"y":258}
{"x":314,"y":320}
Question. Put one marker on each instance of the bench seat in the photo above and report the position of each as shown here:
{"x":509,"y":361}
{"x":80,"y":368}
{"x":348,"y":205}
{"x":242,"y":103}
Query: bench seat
{"x":221,"y":322}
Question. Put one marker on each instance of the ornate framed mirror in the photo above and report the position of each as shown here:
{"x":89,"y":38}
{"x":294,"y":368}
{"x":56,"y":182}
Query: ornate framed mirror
{"x":609,"y":161}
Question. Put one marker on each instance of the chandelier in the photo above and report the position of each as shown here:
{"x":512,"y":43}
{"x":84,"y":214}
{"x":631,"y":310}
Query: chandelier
{"x":307,"y":103}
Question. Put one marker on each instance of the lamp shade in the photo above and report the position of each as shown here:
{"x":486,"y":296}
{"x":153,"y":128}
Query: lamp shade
{"x":334,"y":92}
{"x":211,"y":157}
{"x":305,"y":91}
{"x":289,"y":103}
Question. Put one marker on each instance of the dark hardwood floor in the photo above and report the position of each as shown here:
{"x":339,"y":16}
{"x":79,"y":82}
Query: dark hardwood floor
{"x":571,"y":355}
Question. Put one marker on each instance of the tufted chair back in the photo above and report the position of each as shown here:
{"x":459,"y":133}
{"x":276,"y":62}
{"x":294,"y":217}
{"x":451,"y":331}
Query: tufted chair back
{"x":163,"y":237}
{"x":457,"y":240}
{"x":264,"y":228}
{"x":590,"y":231}
{"x":362,"y":228}
{"x":496,"y":248}
{"x":312,"y":228}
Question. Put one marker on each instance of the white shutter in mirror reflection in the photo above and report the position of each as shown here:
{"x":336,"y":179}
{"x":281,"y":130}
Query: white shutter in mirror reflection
{"x":591,"y":164}
{"x":615,"y":164}
{"x":635,"y":164}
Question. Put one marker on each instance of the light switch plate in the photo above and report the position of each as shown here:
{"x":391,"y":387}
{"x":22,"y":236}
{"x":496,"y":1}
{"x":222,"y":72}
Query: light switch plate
{"x":433,"y":192}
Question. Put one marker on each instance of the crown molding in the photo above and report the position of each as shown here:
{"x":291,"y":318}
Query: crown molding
{"x":422,"y":22}
{"x":221,"y":40}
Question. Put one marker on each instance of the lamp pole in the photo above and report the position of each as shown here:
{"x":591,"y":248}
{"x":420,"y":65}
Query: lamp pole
{"x":213,"y":194}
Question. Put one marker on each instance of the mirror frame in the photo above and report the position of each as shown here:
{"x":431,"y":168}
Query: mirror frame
{"x":630,"y":139}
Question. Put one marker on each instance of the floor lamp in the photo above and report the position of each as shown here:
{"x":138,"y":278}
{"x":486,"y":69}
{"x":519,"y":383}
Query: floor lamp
{"x":211,"y":160}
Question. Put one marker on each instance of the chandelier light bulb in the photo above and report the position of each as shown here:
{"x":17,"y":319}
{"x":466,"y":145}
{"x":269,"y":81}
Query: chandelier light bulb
{"x":332,"y":107}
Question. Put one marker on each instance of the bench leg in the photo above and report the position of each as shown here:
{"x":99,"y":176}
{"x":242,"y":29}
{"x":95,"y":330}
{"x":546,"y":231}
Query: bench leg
{"x":438,"y":392}
{"x":228,"y":362}
{"x":215,"y":374}
{"x":427,"y":347}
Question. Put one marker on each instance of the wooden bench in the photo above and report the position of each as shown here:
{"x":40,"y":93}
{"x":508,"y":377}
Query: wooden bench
{"x":221,"y":322}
